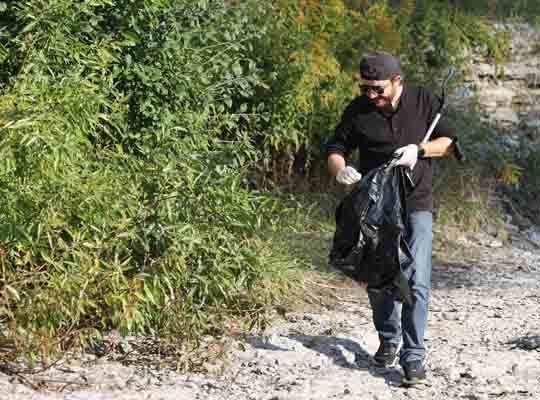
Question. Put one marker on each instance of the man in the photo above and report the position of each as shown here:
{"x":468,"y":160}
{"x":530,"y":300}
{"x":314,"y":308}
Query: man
{"x":391,"y":117}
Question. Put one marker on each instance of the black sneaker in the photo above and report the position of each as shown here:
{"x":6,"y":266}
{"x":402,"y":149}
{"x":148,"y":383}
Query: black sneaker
{"x":414,"y":373}
{"x":386,"y":354}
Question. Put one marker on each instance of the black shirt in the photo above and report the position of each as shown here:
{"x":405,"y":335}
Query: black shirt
{"x":378,"y":133}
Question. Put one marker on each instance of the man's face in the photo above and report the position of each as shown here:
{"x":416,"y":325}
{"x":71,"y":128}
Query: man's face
{"x":381,"y":93}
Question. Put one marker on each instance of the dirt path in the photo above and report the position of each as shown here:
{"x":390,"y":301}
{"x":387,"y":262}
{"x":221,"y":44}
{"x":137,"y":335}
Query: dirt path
{"x":483,"y":343}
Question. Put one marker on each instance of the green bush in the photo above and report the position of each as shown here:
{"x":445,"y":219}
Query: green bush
{"x":123,"y":172}
{"x":527,"y":10}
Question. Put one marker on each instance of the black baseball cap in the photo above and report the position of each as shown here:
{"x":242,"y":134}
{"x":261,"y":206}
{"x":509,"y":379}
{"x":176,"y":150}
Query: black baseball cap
{"x":379,"y":66}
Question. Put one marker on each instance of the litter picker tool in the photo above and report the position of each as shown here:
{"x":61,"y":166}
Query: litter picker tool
{"x":457,"y":148}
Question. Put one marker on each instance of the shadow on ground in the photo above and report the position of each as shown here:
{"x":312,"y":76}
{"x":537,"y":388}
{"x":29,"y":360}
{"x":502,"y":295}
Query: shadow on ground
{"x":452,"y":275}
{"x":342,"y":352}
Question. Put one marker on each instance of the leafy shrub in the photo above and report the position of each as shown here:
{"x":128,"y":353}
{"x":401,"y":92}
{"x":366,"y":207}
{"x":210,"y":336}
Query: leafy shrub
{"x":123,"y":172}
{"x":521,"y":9}
{"x":523,"y":195}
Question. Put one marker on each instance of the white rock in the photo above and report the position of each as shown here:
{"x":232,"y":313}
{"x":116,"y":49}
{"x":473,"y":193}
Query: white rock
{"x":534,"y":236}
{"x":499,"y":94}
{"x":527,"y":371}
{"x":532,"y":124}
{"x":484,"y":70}
{"x":519,"y":71}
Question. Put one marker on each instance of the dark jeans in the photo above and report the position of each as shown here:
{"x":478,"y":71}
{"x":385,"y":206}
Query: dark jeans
{"x":395,"y":321}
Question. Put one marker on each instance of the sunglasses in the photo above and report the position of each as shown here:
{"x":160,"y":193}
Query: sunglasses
{"x":377,"y":89}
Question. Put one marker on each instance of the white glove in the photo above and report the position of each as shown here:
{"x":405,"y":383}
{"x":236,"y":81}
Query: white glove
{"x":348,"y":176}
{"x":408,"y":156}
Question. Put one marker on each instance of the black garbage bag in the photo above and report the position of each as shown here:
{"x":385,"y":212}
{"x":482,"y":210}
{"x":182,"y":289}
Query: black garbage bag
{"x":369,"y":242}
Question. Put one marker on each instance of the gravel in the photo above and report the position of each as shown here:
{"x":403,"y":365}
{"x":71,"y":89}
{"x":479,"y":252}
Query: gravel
{"x":483,"y":342}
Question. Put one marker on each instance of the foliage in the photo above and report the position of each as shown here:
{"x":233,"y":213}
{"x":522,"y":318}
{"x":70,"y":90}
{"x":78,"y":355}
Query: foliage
{"x":123,"y":173}
{"x":523,"y":196}
{"x":462,"y":191}
{"x":470,"y":195}
{"x":528,"y":10}
{"x":510,"y":174}
{"x":532,"y":184}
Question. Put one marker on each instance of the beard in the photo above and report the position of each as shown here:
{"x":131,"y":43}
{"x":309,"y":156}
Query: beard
{"x":384,"y":102}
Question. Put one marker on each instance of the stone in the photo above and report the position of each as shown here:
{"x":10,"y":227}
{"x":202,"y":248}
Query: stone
{"x":475,"y":396}
{"x":505,"y":115}
{"x":495,"y":243}
{"x":125,"y":347}
{"x":507,"y":93}
{"x":534,"y":237}
{"x":498,"y":94}
{"x":512,"y":228}
{"x":484,"y":70}
{"x":380,"y":396}
{"x":453,"y":374}
{"x":518,"y":71}
{"x":531,"y":124}
{"x":492,"y":229}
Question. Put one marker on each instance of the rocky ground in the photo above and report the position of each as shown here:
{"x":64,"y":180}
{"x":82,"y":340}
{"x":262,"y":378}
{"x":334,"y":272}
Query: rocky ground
{"x":483,"y":343}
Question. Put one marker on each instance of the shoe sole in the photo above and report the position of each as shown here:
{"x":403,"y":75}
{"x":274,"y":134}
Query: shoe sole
{"x":413,"y":382}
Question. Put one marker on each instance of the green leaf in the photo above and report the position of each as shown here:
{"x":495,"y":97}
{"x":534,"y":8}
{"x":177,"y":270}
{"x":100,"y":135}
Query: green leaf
{"x":237,"y":69}
{"x":13,"y":292}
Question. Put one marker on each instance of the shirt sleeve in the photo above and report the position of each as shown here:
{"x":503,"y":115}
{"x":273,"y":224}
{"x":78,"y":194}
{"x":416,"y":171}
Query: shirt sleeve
{"x":443,"y":127}
{"x":342,"y":140}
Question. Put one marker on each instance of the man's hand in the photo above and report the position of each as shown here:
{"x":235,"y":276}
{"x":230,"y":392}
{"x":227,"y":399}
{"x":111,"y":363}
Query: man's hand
{"x":348,"y":176}
{"x":408,"y":156}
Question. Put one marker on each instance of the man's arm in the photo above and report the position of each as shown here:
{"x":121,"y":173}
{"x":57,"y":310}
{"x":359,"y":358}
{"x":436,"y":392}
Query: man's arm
{"x":343,"y":174}
{"x":339,"y":146}
{"x":439,"y":147}
{"x":409,"y":155}
{"x":335,"y":163}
